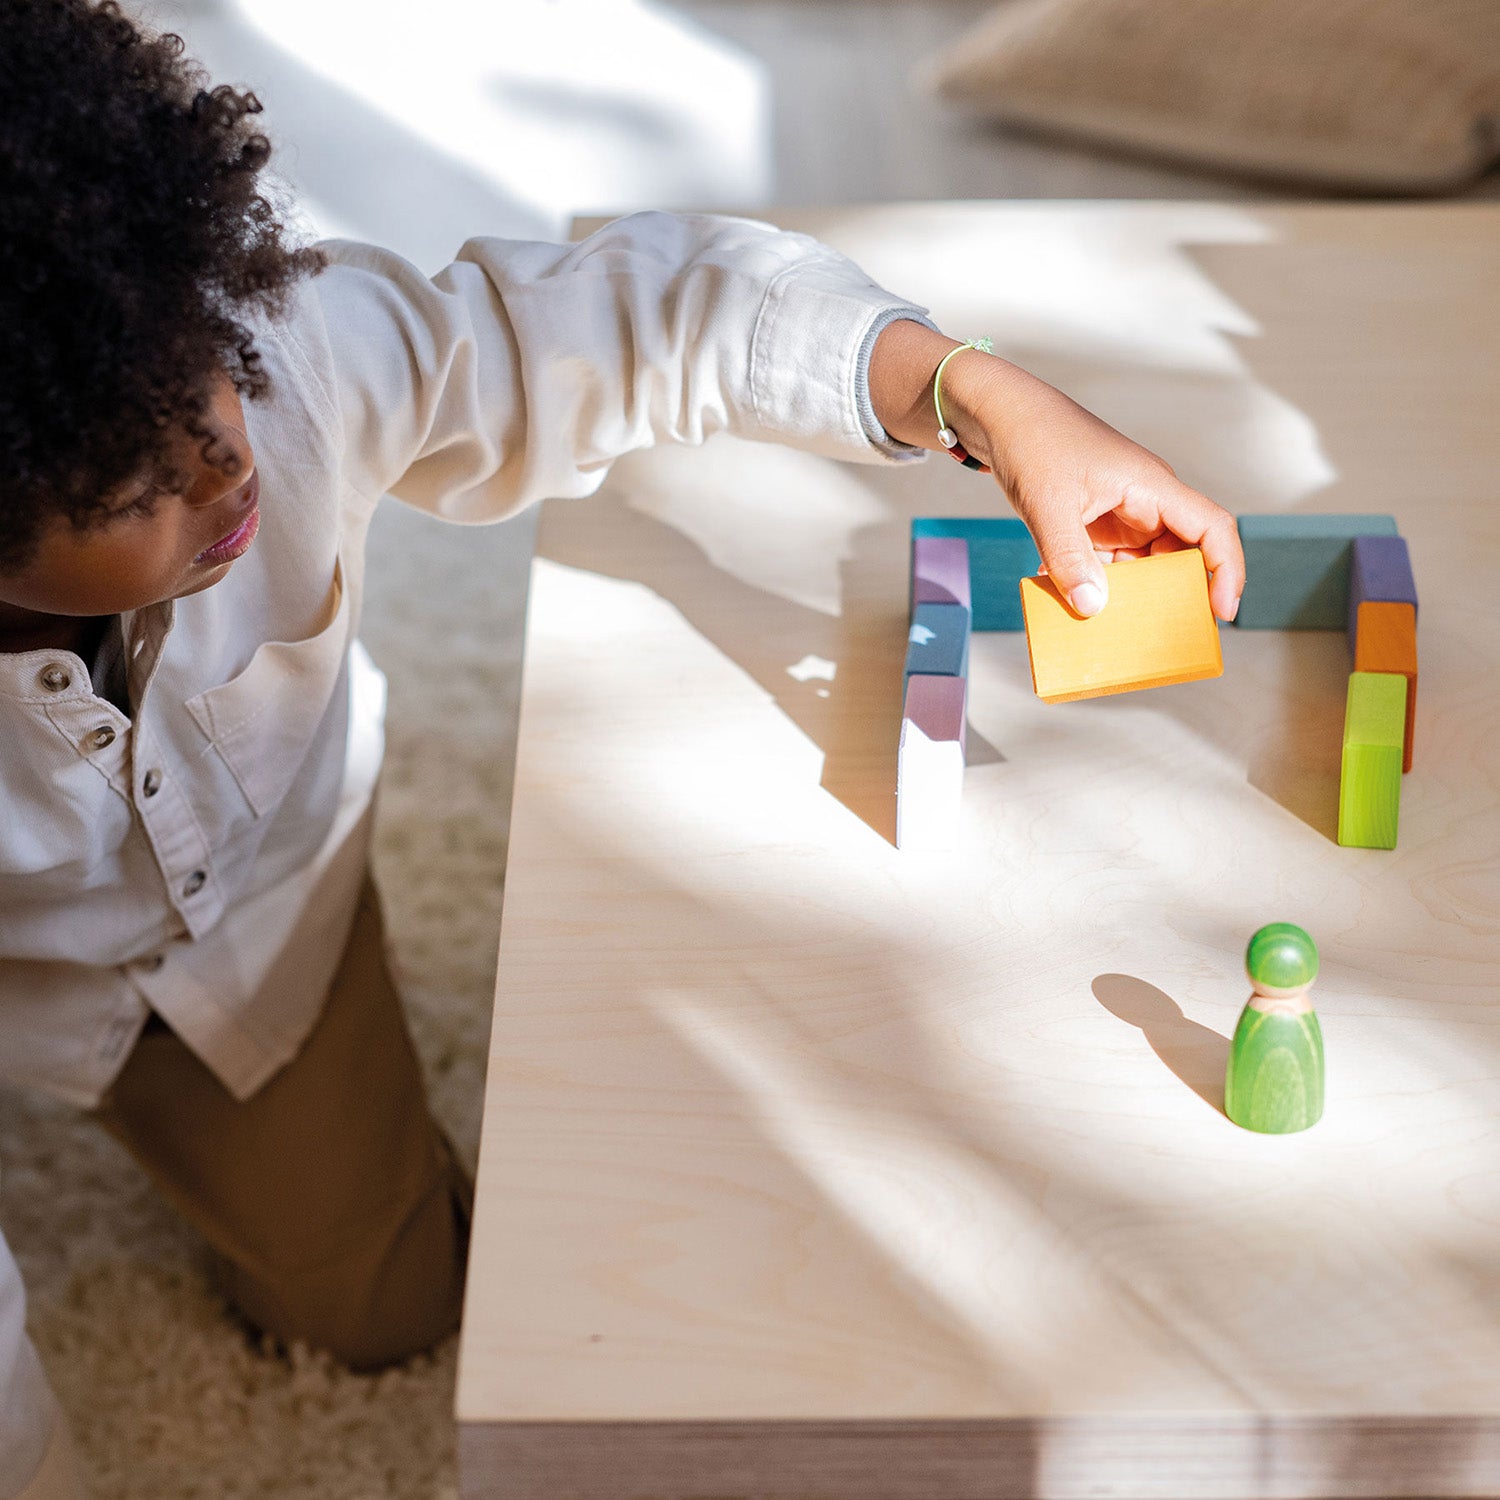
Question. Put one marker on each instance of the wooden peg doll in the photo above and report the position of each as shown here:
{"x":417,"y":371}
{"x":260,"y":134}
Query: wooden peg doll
{"x":1274,"y":1082}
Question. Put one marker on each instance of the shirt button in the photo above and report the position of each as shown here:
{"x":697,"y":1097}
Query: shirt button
{"x":151,"y":782}
{"x":55,"y":677}
{"x":100,"y":738}
{"x":194,"y":883}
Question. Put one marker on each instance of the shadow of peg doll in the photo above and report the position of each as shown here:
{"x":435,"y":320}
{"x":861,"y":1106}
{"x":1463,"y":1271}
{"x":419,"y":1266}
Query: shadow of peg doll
{"x":1274,"y":1082}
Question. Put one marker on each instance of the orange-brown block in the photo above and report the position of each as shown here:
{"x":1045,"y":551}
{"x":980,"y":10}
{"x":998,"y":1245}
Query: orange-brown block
{"x":1385,"y":640}
{"x":1157,"y":628}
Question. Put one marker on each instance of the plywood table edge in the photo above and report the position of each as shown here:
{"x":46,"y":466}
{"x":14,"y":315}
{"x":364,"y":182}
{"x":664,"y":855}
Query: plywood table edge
{"x":1210,"y":1456}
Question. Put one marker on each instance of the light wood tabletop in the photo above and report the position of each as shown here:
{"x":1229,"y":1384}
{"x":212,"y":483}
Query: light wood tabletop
{"x":814,"y":1170}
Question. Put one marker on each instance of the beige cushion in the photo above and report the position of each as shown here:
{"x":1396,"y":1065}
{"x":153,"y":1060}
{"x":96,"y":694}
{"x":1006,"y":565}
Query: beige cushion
{"x":1379,"y":95}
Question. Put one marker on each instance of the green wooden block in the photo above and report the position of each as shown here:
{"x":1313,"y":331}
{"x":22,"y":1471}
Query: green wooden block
{"x":1370,"y":783}
{"x":1274,"y":1083}
{"x":1001,"y":554}
{"x":1297,"y":569}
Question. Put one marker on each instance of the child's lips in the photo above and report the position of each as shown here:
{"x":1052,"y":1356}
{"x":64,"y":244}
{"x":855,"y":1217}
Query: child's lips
{"x":237,"y":543}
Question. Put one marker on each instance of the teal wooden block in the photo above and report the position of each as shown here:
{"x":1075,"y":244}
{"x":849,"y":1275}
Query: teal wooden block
{"x":1297,"y":569}
{"x":1001,"y":554}
{"x":938,"y":642}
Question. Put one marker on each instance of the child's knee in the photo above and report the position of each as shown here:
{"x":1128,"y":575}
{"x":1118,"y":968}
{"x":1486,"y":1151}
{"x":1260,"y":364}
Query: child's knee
{"x":393,"y":1295}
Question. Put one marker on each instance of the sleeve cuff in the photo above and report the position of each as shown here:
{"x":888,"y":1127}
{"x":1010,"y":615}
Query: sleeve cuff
{"x":878,"y":436}
{"x":810,"y":358}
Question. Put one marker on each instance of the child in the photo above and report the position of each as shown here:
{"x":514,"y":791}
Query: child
{"x":197,"y":419}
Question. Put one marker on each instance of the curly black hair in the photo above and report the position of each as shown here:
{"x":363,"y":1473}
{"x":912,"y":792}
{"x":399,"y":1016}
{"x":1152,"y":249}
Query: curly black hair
{"x":136,"y":239}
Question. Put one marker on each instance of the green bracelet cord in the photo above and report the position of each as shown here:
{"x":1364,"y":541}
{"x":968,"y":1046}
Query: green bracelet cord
{"x":946,"y":435}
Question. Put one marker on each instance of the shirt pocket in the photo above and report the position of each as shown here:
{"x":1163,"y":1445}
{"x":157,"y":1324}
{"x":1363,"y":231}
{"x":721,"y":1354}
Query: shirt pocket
{"x":263,"y":722}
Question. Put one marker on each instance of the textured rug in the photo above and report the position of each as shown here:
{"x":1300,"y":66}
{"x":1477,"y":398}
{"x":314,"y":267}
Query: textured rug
{"x":168,"y":1398}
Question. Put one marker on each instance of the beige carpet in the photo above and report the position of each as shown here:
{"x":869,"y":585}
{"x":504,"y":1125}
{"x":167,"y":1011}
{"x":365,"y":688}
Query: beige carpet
{"x":167,"y":1397}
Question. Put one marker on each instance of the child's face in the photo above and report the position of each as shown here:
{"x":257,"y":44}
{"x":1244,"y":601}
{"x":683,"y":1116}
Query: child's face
{"x":140,"y":555}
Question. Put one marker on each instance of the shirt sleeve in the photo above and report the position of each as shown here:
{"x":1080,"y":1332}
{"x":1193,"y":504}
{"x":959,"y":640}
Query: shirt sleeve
{"x":523,"y":370}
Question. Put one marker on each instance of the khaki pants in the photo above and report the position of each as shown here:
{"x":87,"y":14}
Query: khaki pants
{"x":334,"y":1209}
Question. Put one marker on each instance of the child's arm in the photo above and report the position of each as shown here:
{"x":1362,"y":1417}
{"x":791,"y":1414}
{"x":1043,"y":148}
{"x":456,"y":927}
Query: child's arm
{"x":523,"y":370}
{"x":1081,"y":487}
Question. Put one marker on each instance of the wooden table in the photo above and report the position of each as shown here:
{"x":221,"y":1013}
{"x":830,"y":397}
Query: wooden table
{"x":813,"y":1169}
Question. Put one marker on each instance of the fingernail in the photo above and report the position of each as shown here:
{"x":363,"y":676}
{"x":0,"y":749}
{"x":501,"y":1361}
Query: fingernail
{"x":1087,"y":599}
{"x":1234,"y":608}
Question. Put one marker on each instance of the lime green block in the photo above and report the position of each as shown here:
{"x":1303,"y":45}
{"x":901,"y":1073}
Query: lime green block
{"x":1274,"y":1082}
{"x":1370,"y":785}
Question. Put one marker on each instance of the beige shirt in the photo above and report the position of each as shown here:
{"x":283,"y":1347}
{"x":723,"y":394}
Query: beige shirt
{"x":200,"y":855}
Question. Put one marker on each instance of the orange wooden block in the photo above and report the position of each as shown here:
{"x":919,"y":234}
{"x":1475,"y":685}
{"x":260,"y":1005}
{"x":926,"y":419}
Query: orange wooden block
{"x":1385,"y":640}
{"x":1158,"y":628}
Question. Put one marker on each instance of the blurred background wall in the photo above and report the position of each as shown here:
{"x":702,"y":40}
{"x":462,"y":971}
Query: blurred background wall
{"x":420,"y":122}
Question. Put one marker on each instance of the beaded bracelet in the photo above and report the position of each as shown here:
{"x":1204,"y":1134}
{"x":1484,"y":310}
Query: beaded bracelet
{"x":946,"y":435}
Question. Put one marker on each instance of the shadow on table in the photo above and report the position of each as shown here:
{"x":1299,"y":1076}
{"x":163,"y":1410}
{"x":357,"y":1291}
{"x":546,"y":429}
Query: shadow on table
{"x":851,"y":710}
{"x":1393,"y":336}
{"x":1197,"y":1054}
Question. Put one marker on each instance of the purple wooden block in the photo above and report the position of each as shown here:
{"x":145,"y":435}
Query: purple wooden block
{"x":940,"y":571}
{"x":1379,"y":569}
{"x":936,"y":705}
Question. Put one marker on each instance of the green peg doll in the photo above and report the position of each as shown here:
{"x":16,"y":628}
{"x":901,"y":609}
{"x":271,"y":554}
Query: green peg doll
{"x":1274,"y":1082}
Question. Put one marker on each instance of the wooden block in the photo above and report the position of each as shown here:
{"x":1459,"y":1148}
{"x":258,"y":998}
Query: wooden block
{"x":1297,"y":569}
{"x":938,"y":641}
{"x":930,"y":763}
{"x":1370,"y":781}
{"x":1157,"y":628}
{"x":1385,"y":640}
{"x":1001,"y":554}
{"x":939,"y":571}
{"x":1380,"y":571}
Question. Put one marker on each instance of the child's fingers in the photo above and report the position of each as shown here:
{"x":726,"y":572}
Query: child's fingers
{"x":1195,"y":521}
{"x":1068,"y":552}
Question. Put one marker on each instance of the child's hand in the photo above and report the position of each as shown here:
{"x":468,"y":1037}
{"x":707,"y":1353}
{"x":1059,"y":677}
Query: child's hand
{"x":1087,"y":493}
